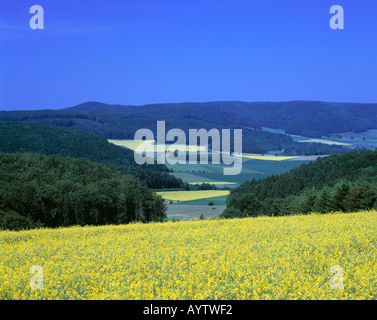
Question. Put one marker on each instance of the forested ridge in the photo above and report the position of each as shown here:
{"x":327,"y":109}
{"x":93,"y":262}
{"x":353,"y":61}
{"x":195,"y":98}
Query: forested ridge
{"x":306,"y":118}
{"x":49,"y":140}
{"x":52,"y":191}
{"x":346,"y":182}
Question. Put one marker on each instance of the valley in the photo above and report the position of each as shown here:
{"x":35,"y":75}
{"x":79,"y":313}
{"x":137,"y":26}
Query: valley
{"x":189,"y":152}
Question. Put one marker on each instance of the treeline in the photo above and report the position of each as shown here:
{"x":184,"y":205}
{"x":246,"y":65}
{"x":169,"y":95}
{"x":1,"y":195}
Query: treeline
{"x":49,"y":140}
{"x":52,"y":191}
{"x":346,"y":182}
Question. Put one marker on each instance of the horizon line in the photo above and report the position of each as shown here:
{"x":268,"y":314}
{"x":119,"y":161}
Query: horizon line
{"x":183,"y":102}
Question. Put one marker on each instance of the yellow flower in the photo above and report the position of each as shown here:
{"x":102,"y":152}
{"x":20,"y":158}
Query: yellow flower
{"x":254,"y":258}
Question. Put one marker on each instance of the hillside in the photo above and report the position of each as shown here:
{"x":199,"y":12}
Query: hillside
{"x":283,"y":258}
{"x":48,"y":140}
{"x":346,"y":182}
{"x":311,"y":119}
{"x":52,"y":191}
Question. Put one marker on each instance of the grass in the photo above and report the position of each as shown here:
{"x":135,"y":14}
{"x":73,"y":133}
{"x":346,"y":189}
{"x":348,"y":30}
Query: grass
{"x":251,"y":169}
{"x":254,"y":258}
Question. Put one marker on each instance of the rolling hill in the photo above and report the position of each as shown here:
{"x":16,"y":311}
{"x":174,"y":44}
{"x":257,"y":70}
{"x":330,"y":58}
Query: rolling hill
{"x":346,"y":182}
{"x":306,"y":118}
{"x":53,"y":191}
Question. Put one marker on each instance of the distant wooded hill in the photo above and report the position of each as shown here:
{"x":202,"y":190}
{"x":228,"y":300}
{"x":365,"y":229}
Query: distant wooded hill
{"x":27,"y":137}
{"x":306,"y":118}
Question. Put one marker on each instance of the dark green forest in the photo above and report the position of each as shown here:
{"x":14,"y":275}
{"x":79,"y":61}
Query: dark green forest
{"x":49,"y":140}
{"x":346,"y":182}
{"x":52,"y":191}
{"x":306,"y":118}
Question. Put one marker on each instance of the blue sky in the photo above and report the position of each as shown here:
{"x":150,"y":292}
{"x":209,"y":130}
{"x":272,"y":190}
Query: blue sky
{"x":154,"y":51}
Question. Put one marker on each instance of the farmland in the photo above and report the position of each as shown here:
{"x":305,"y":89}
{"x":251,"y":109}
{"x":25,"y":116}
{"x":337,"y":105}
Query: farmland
{"x":254,"y":166}
{"x":151,"y":146}
{"x":196,"y":211}
{"x":251,"y":169}
{"x":366,"y":139}
{"x":192,"y":195}
{"x":212,"y":174}
{"x":267,"y":158}
{"x":253,"y":258}
{"x":178,"y":156}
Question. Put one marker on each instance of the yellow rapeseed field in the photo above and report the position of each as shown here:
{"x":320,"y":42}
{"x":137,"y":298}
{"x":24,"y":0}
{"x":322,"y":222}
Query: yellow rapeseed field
{"x":151,"y":146}
{"x":254,"y":258}
{"x":192,"y":195}
{"x":133,"y":144}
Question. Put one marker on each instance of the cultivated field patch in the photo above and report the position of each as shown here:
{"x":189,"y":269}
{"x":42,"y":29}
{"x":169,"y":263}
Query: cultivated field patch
{"x":267,"y":157}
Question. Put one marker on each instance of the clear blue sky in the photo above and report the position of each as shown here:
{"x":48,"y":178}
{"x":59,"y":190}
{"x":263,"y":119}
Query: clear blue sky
{"x":153,"y":51}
